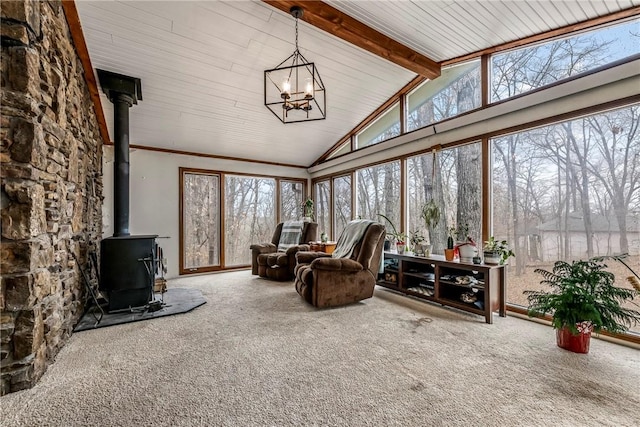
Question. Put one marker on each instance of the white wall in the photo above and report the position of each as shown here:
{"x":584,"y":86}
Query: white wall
{"x":154,"y":192}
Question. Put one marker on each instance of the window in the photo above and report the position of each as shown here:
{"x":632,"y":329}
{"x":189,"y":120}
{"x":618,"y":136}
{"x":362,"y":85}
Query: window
{"x":456,"y":91}
{"x":453,"y":181}
{"x":211,"y":239}
{"x":342,"y":204}
{"x":568,"y":191}
{"x":343,"y":149}
{"x":385,"y":127}
{"x":322,"y":205}
{"x":525,"y":69}
{"x":200,"y":221}
{"x":291,"y":200}
{"x":378,"y":192}
{"x":249,"y":216}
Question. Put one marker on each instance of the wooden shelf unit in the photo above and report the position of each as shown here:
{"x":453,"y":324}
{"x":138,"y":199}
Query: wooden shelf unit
{"x":437,"y":280}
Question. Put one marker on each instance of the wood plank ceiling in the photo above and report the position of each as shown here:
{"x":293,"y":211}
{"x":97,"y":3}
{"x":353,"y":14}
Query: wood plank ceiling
{"x":202,"y":62}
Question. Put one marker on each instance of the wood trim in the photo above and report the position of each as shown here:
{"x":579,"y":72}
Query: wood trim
{"x":75,"y":28}
{"x":180,"y":222}
{"x":343,"y":26}
{"x":213,"y":156}
{"x":487,"y":225}
{"x":403,"y":205}
{"x":484,"y":81}
{"x":580,"y":26}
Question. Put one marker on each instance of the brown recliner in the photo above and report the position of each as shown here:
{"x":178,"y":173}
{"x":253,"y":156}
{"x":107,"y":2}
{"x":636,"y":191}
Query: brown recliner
{"x":266,"y":261}
{"x":324,"y":281}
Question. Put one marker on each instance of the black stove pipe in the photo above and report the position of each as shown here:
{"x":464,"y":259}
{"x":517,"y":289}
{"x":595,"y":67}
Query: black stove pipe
{"x":121,"y":105}
{"x":123,"y":91}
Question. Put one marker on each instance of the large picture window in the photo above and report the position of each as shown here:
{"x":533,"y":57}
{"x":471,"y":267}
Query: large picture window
{"x":341,"y":203}
{"x":385,"y":127}
{"x":249,"y":216}
{"x":322,"y":197}
{"x":521,"y":70}
{"x":378,"y":192}
{"x":291,"y":193}
{"x":211,"y":239}
{"x":456,"y":91}
{"x":568,"y":191}
{"x":200,"y":220}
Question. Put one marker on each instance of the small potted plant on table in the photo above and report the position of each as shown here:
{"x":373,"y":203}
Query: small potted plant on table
{"x":496,"y":251}
{"x":583,"y":299}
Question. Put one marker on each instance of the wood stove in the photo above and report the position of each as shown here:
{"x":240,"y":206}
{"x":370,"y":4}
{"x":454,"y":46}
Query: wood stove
{"x":127,"y":270}
{"x":128,"y":264}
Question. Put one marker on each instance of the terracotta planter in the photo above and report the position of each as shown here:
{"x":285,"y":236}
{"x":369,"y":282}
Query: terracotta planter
{"x":449,"y":254}
{"x":576,"y":343}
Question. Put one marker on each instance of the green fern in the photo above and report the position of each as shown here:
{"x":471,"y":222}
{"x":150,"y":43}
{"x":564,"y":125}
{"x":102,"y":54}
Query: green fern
{"x":583,"y":291}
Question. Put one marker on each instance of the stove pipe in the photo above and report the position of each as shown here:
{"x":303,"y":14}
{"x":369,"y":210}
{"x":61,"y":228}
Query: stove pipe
{"x":123,"y":91}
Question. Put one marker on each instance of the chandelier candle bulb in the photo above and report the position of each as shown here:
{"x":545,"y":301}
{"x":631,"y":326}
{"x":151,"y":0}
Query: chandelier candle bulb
{"x":286,"y":89}
{"x":308,"y":92}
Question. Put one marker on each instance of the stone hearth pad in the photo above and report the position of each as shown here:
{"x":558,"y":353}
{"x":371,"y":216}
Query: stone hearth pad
{"x":176,"y":301}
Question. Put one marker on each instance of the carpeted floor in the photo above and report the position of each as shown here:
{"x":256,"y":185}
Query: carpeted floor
{"x":256,"y":354}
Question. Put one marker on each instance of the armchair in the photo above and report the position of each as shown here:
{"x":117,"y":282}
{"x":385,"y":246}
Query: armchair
{"x":325,"y":281}
{"x":266,"y":261}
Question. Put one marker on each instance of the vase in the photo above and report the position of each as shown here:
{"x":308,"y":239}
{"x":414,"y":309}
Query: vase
{"x":578,"y":343}
{"x":400,"y":247}
{"x":467,"y":252}
{"x":449,"y":254}
{"x":426,"y":250}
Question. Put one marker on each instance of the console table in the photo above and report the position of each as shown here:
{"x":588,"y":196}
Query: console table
{"x":475,"y":288}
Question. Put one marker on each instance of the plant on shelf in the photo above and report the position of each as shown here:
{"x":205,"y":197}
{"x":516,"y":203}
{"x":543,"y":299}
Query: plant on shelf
{"x":307,"y":207}
{"x":452,"y":233}
{"x":496,"y":251}
{"x":582,"y":298}
{"x":417,"y":240}
{"x":400,"y":238}
{"x":449,"y":253}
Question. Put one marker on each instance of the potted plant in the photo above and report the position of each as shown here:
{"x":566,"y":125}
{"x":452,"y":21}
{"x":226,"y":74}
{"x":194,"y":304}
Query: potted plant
{"x":450,"y":251}
{"x":582,"y":298}
{"x":307,"y":207}
{"x":496,"y":251}
{"x":399,"y":238}
{"x":417,"y":243}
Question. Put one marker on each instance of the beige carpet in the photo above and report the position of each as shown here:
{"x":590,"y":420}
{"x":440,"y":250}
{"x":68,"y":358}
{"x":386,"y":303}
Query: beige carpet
{"x":257,"y":354}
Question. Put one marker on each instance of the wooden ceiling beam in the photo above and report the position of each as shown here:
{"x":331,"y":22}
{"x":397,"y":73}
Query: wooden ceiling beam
{"x":331,"y":20}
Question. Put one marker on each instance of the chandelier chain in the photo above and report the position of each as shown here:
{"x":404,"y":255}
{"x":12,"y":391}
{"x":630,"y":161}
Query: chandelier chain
{"x":296,"y":34}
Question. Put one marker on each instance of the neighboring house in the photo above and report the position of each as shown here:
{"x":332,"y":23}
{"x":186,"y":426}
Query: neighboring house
{"x":605,"y":236}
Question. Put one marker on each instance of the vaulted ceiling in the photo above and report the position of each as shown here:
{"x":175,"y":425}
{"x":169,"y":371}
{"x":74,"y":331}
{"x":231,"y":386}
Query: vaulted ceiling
{"x":201,"y":63}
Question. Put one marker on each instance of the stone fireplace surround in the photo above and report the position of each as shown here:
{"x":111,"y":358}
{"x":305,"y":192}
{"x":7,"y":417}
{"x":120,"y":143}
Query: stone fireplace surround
{"x":51,"y":195}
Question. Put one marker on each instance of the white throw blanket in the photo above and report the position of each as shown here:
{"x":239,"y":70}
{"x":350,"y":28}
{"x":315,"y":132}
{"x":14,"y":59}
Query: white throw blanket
{"x":350,"y":237}
{"x":290,"y":235}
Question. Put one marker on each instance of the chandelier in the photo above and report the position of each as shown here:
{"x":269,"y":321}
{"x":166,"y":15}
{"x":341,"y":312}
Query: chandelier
{"x":293,"y":90}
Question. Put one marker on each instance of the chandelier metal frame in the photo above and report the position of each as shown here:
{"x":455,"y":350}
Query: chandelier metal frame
{"x":293,"y":90}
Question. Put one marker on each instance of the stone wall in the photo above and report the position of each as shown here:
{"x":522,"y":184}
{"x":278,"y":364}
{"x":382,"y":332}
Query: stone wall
{"x":51,"y":168}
